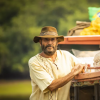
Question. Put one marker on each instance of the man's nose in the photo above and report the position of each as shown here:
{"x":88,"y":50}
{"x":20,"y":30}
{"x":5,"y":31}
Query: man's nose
{"x":49,"y":41}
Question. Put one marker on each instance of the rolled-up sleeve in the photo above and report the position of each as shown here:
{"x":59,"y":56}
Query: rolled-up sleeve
{"x":39,"y":75}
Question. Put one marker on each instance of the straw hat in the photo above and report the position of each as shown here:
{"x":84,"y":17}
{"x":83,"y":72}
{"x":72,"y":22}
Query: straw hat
{"x":48,"y":32}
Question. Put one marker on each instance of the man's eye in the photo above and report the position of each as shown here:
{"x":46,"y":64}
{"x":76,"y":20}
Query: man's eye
{"x":52,"y":39}
{"x":46,"y":39}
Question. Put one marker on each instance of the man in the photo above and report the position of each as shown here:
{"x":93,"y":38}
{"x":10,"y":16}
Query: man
{"x":52,"y":70}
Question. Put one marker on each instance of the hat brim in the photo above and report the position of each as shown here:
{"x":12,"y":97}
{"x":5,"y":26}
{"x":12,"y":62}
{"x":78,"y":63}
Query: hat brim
{"x":37,"y":38}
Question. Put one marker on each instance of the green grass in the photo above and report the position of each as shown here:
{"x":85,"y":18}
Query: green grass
{"x":15,"y":88}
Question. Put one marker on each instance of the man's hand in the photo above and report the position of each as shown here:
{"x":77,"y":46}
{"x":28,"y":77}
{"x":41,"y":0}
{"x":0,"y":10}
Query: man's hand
{"x":78,"y":69}
{"x":57,"y":83}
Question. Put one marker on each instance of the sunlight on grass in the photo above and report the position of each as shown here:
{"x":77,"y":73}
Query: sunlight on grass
{"x":13,"y":88}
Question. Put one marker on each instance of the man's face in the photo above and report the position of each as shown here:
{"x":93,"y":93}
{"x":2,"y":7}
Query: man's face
{"x":49,"y":45}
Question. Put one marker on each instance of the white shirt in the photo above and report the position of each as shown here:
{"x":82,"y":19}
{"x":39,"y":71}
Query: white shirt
{"x":43,"y":71}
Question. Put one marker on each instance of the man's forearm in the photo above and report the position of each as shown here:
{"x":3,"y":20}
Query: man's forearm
{"x":60,"y":82}
{"x":57,"y":83}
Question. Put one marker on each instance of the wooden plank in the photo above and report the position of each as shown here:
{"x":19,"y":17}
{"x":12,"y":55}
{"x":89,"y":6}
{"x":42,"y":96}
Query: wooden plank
{"x":76,"y":93}
{"x":96,"y":91}
{"x":87,"y":75}
{"x":93,"y":67}
{"x":81,"y":40}
{"x":89,"y":79}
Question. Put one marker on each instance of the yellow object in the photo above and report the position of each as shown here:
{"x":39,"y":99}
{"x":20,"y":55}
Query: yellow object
{"x":93,"y":29}
{"x":97,"y":14}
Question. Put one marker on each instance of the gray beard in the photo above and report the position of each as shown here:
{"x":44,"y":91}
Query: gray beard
{"x":49,"y":53}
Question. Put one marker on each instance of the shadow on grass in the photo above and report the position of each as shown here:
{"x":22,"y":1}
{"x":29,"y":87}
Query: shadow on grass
{"x":26,"y":97}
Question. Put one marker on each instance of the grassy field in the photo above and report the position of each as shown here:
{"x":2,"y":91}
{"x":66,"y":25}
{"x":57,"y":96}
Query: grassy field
{"x":15,"y":90}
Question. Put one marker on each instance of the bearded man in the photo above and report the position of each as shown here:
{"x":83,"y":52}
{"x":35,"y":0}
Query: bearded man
{"x":52,"y":70}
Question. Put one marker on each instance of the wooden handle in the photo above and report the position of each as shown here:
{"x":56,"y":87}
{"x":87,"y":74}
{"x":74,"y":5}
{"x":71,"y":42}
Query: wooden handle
{"x":93,"y":67}
{"x":87,"y":75}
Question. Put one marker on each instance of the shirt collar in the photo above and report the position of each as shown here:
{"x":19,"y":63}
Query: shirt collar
{"x":49,"y":58}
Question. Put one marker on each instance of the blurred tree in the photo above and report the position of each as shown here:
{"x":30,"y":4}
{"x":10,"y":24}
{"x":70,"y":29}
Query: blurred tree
{"x":9,"y":9}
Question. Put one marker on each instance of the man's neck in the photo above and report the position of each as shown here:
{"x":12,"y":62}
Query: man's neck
{"x":53,"y":57}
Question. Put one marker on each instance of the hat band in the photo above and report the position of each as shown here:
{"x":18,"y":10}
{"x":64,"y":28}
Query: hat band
{"x":48,"y":33}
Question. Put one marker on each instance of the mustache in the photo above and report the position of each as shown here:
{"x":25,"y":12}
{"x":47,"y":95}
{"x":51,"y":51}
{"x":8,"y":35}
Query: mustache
{"x":49,"y":45}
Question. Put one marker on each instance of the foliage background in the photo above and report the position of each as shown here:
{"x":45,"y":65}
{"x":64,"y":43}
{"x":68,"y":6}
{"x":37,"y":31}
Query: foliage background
{"x":21,"y":20}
